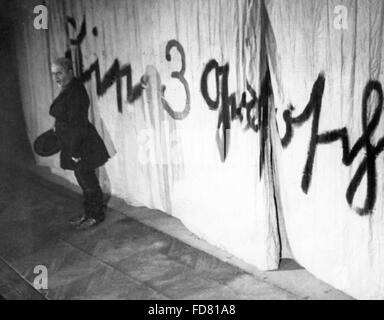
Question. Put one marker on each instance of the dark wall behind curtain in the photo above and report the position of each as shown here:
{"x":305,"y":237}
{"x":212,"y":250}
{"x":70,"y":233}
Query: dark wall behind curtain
{"x":14,"y":146}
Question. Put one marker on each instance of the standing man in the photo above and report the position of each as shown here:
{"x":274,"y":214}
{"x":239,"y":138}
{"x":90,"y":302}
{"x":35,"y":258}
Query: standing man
{"x":82,"y":149}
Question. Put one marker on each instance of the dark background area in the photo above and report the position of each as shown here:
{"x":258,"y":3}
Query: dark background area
{"x":14,"y":145}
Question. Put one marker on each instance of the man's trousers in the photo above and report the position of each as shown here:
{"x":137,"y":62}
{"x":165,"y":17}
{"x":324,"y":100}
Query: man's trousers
{"x":92,"y":193}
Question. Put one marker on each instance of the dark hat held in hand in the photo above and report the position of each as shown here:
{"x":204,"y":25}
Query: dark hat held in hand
{"x":46,"y":144}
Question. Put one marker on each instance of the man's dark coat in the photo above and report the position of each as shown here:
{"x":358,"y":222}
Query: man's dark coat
{"x":77,"y":137}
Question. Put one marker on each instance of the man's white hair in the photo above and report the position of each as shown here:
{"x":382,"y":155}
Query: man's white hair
{"x":64,"y":62}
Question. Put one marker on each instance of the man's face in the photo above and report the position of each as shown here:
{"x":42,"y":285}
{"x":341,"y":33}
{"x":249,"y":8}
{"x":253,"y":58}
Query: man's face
{"x":61,"y":76}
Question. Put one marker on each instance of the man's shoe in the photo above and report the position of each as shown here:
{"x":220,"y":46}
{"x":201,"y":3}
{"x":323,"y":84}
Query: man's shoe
{"x":89,"y":223}
{"x":77,"y":220}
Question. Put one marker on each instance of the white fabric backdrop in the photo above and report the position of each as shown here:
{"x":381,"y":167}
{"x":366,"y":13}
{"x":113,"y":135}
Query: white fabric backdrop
{"x":327,"y":235}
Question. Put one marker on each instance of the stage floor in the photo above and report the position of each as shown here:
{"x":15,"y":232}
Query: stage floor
{"x":122,"y":258}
